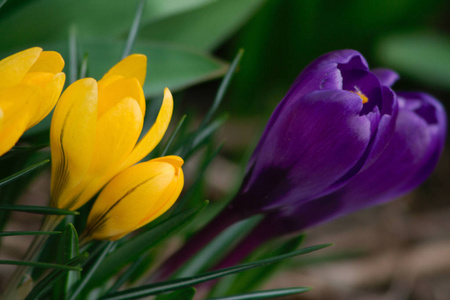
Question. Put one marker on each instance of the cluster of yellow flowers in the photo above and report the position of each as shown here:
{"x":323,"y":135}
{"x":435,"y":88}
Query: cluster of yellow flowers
{"x":94,"y":139}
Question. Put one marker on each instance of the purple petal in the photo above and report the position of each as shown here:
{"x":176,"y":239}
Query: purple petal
{"x":387,"y":77}
{"x":406,"y":162}
{"x":307,"y":149}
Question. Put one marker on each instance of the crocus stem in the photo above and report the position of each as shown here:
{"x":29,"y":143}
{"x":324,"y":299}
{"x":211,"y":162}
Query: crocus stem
{"x":196,"y":243}
{"x":50,"y":222}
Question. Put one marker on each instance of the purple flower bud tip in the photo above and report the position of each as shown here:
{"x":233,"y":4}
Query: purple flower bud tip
{"x":334,"y":130}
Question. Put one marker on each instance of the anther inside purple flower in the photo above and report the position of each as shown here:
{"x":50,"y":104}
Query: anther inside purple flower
{"x":341,"y":140}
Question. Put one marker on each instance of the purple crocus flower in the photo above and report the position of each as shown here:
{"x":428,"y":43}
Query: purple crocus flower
{"x":335,"y":120}
{"x":408,"y":160}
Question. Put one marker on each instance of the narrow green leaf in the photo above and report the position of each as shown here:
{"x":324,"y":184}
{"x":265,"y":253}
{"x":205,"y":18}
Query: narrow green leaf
{"x":44,"y":210}
{"x":84,"y":65}
{"x":186,"y":200}
{"x":265,"y":294}
{"x":138,"y":245}
{"x":134,"y":29}
{"x":127,"y":274}
{"x":216,"y":249}
{"x":184,"y":294}
{"x":20,"y":150}
{"x":68,"y":248}
{"x":84,"y":281}
{"x":73,"y":54}
{"x":199,"y":137}
{"x":46,"y":283}
{"x":23,"y":172}
{"x":252,"y":279}
{"x":158,"y":288}
{"x":223,"y":88}
{"x":38,"y":265}
{"x":173,"y":135}
{"x":14,"y":233}
{"x":2,"y":2}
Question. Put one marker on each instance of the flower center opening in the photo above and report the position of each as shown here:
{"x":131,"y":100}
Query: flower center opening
{"x":358,"y":92}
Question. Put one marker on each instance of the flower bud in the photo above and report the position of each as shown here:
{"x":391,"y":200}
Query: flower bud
{"x":135,"y":197}
{"x":335,"y":120}
{"x":95,"y":131}
{"x":30,"y":84}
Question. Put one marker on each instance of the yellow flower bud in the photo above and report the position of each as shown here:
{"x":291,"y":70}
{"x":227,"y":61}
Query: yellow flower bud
{"x":30,"y":84}
{"x":135,"y":197}
{"x":95,"y":130}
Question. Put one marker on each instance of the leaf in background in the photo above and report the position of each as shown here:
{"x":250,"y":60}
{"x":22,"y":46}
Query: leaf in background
{"x":11,"y":163}
{"x":137,"y":246}
{"x":252,"y":279}
{"x":203,"y":28}
{"x":23,"y":172}
{"x":167,"y":66}
{"x":422,"y":56}
{"x":219,"y":247}
{"x":172,"y":285}
{"x":44,"y":210}
{"x":184,"y":294}
{"x":47,"y":282}
{"x":68,"y":248}
{"x":45,"y":20}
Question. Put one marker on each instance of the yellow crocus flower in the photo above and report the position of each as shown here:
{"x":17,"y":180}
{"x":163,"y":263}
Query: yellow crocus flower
{"x":95,"y":130}
{"x":30,"y":84}
{"x":135,"y":197}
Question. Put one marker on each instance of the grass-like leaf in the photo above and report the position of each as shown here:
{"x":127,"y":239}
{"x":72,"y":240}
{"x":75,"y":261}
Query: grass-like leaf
{"x":223,"y":88}
{"x":172,"y":285}
{"x":23,"y":172}
{"x":68,"y":248}
{"x":173,"y":135}
{"x":22,"y":149}
{"x":134,"y":29}
{"x":43,"y":210}
{"x":184,"y":294}
{"x":85,"y":279}
{"x":138,"y":245}
{"x":269,"y":294}
{"x":38,"y":265}
{"x":14,"y":233}
{"x":46,"y":283}
{"x":2,"y":2}
{"x":253,"y":279}
{"x":73,"y":56}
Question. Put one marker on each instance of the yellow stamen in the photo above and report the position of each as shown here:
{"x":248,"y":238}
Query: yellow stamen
{"x":360,"y":94}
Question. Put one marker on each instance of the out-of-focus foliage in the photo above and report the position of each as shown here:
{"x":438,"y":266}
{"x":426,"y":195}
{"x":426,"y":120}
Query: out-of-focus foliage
{"x":286,"y":34}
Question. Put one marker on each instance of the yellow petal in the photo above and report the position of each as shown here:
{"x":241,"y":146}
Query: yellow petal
{"x":13,"y":68}
{"x":135,"y":197}
{"x":72,"y":137}
{"x":48,"y":61}
{"x":117,"y":132}
{"x":1,"y":119}
{"x":155,"y":134}
{"x":113,"y":93}
{"x":18,"y":104}
{"x":134,"y":65}
{"x":50,"y":86}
